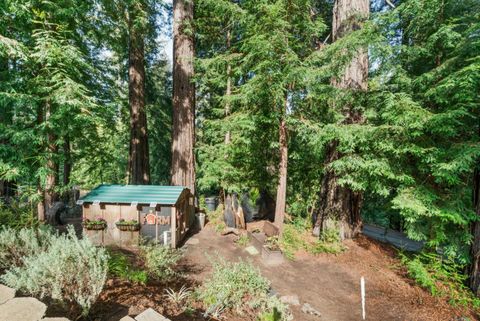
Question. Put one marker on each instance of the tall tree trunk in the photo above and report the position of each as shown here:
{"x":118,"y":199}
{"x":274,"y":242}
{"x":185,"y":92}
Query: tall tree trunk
{"x":228,"y":90}
{"x":475,"y":250}
{"x":282,"y":169}
{"x":339,"y":207}
{"x":67,"y":163}
{"x":138,"y":160}
{"x":183,"y":158}
{"x":52,"y":163}
{"x":40,"y":191}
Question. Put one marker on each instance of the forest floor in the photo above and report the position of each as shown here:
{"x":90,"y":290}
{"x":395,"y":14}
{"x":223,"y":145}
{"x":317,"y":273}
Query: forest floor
{"x":328,"y":283}
{"x":331,"y":283}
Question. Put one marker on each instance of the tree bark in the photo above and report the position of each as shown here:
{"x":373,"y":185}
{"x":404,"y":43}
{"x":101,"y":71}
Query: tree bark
{"x":475,"y":250}
{"x":40,"y":191}
{"x":183,"y":157}
{"x":138,"y":160}
{"x":339,"y":207}
{"x":228,"y":90}
{"x":67,"y":163}
{"x":52,"y":164}
{"x":282,"y":170}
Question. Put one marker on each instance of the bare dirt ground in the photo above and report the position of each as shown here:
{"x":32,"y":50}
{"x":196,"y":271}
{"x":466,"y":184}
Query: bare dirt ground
{"x":331,"y":283}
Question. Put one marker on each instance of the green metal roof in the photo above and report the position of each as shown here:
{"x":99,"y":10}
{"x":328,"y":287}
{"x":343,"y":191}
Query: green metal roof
{"x":127,"y":194}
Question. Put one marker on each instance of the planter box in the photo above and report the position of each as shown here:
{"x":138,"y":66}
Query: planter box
{"x":272,"y":257}
{"x":129,"y":228}
{"x":95,"y":227}
{"x":258,"y":239}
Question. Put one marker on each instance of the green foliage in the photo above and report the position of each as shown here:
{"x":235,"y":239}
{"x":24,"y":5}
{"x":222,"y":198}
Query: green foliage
{"x":243,"y":240}
{"x":17,"y":245}
{"x":297,"y":236}
{"x":268,"y":43}
{"x":17,"y":215}
{"x":238,"y":286}
{"x":67,"y":269}
{"x":120,"y":266}
{"x":64,"y":94}
{"x":441,"y":276}
{"x":160,"y":261}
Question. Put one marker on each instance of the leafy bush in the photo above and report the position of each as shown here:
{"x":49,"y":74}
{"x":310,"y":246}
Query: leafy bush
{"x":16,"y":245}
{"x":238,"y":286}
{"x":215,"y":218}
{"x":297,"y":236}
{"x":440,"y":276}
{"x":119,"y":266}
{"x":16,"y":215}
{"x":160,"y":260}
{"x":70,"y":270}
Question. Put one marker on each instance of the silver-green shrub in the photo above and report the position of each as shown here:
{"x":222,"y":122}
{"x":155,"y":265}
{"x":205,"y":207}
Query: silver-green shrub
{"x":238,"y":286}
{"x":16,"y":245}
{"x":160,"y":260}
{"x":70,"y":270}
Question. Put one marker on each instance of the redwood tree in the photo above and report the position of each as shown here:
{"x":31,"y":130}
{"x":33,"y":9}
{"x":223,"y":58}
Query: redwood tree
{"x":183,"y":159}
{"x":475,"y":266}
{"x":138,"y":160}
{"x":339,"y":206}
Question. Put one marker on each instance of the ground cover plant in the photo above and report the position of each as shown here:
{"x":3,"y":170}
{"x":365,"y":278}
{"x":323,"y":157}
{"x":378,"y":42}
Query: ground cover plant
{"x":441,"y":276}
{"x":297,"y":236}
{"x":239,"y":286}
{"x":119,"y":265}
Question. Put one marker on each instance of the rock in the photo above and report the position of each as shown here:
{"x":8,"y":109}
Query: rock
{"x":127,"y":318}
{"x":290,"y":299}
{"x":22,"y":309}
{"x":135,"y":309}
{"x":150,"y":315}
{"x":55,"y":319}
{"x":6,"y":293}
{"x":251,"y":250}
{"x":308,"y":309}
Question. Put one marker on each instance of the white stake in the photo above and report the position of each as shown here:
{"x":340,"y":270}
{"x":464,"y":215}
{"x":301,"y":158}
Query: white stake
{"x":362,"y":289}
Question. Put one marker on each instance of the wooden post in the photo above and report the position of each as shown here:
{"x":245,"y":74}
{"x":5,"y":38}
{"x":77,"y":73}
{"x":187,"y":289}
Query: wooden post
{"x":174,"y":227}
{"x":156,"y":227}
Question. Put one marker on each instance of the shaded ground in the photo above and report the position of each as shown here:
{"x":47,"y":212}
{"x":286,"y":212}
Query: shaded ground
{"x":331,"y":284}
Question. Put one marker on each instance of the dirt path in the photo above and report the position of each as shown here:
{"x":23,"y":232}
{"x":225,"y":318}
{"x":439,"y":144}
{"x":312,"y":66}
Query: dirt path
{"x":331,"y":284}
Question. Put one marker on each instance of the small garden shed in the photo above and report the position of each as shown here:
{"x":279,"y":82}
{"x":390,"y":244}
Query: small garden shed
{"x":121,"y":214}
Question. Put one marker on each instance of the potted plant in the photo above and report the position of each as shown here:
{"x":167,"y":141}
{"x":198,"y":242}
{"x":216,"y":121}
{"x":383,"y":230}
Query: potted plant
{"x":97,"y":224}
{"x":124,"y":225}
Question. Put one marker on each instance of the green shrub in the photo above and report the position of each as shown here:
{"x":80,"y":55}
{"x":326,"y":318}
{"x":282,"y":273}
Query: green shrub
{"x":238,"y":286}
{"x":160,"y":260}
{"x":297,"y":236}
{"x":16,"y":245}
{"x":69,"y":270}
{"x":119,"y":266}
{"x":17,"y":215}
{"x":441,"y":276}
